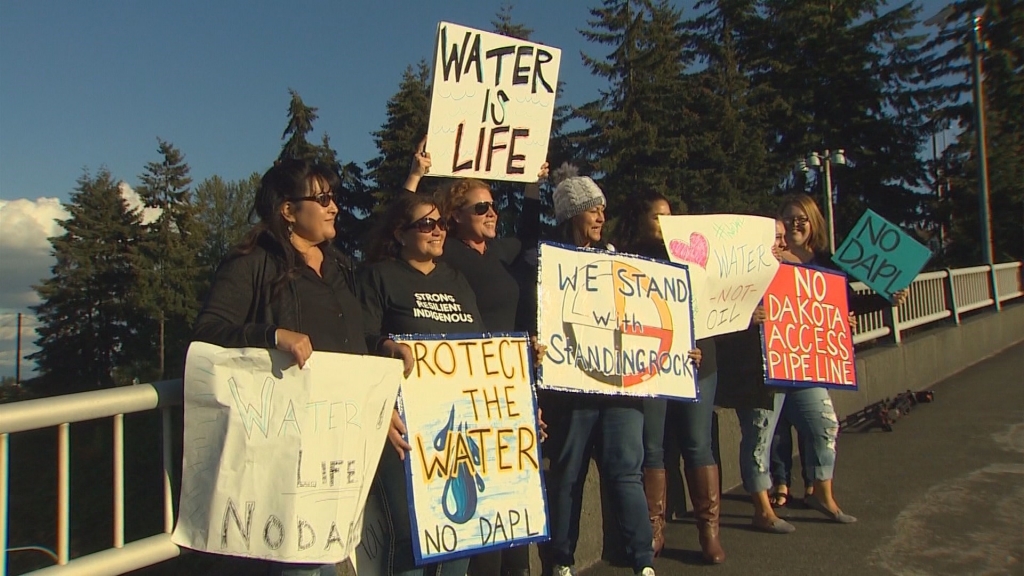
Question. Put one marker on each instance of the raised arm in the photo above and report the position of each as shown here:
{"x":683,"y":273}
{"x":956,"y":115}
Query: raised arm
{"x":528,"y":230}
{"x":419,"y":167}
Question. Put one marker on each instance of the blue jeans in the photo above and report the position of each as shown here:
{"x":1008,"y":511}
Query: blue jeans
{"x":394,"y":499}
{"x":811,"y":412}
{"x":782,"y":454}
{"x":691,"y":421}
{"x":619,"y":422}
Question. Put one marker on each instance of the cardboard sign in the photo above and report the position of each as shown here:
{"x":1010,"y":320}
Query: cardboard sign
{"x":807,"y":340}
{"x":731,"y":264}
{"x":614,"y":324}
{"x":881,"y":255}
{"x":278,"y":461}
{"x":474,"y":470}
{"x":491,"y":106}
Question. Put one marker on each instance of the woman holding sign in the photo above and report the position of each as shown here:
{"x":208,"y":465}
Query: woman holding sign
{"x":810,"y":409}
{"x":639,"y":232}
{"x":286,"y":287}
{"x":407,"y":290}
{"x":616,"y":424}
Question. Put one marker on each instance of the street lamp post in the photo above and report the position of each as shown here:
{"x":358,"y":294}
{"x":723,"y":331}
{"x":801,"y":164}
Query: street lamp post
{"x":825,"y":162}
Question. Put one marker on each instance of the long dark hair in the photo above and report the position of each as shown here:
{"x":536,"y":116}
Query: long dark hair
{"x":287,"y":180}
{"x":630,"y":229}
{"x":383,"y":244}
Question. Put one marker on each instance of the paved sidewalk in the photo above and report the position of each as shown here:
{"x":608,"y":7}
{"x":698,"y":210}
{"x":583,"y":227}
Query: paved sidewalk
{"x":941,"y":494}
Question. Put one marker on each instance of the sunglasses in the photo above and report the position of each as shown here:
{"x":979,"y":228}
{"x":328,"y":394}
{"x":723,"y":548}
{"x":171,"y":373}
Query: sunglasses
{"x":481,"y":208}
{"x":795,"y":220}
{"x":323,"y":198}
{"x":426,"y":225}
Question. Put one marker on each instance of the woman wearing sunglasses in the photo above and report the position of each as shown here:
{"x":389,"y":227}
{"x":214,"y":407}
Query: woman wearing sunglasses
{"x":407,"y":290}
{"x":810,"y":409}
{"x":286,"y":287}
{"x":487,"y":262}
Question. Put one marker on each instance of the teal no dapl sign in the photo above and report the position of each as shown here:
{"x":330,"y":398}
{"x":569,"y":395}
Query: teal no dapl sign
{"x":881,"y":255}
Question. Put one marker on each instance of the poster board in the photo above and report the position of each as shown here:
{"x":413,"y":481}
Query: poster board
{"x":731,"y":265}
{"x":473,"y":474}
{"x":491,"y":105}
{"x":807,"y":339}
{"x":614,"y":324}
{"x":278,"y":461}
{"x":881,"y":255}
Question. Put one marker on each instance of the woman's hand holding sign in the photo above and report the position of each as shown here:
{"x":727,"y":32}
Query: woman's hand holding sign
{"x":294,"y":343}
{"x":695,"y":356}
{"x":393,"y":349}
{"x":397,"y":435}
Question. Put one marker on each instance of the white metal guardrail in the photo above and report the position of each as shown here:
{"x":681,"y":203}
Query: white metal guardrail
{"x":934,"y":296}
{"x":61,"y":412}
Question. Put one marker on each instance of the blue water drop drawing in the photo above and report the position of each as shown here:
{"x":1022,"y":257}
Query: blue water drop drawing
{"x":459,"y":498}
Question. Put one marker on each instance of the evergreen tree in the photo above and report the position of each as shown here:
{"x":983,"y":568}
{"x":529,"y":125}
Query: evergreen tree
{"x":1001,"y":29}
{"x":174,"y":275}
{"x":847,"y":74}
{"x":300,"y":123}
{"x":408,"y":113}
{"x":88,"y":315}
{"x":728,"y":168}
{"x":635,"y":131}
{"x":223,"y":215}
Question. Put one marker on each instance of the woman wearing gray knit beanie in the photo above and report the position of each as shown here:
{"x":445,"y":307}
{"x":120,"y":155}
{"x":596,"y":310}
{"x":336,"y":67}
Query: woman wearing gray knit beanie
{"x":614,"y":423}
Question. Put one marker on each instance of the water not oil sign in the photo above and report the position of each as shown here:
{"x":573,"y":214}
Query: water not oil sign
{"x":881,"y":255}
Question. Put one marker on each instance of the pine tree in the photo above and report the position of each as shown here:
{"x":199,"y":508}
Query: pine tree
{"x":223,"y":215}
{"x":1002,"y":65}
{"x":88,"y":315}
{"x":300,"y":123}
{"x":847,"y":74}
{"x":408,"y":113}
{"x":174,"y":275}
{"x":727,"y":169}
{"x":635,"y":131}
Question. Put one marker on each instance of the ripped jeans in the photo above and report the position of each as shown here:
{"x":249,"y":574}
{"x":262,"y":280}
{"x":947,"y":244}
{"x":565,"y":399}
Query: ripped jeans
{"x":812,"y":414}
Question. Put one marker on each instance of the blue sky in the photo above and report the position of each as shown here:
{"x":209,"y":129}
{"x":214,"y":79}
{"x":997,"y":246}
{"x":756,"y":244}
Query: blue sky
{"x":85,"y":84}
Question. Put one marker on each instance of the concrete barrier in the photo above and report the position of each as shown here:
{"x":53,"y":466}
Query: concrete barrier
{"x":883,"y":371}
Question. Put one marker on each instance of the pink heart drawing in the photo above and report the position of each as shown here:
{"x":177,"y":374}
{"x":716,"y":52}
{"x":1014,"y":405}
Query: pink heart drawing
{"x":695,"y":252}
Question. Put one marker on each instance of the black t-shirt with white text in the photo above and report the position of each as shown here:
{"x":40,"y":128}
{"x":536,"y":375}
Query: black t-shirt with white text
{"x":399,"y":299}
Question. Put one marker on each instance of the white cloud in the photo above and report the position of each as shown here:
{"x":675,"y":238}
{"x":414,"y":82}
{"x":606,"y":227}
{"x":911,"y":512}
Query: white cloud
{"x":131,"y":197}
{"x":26,"y":258}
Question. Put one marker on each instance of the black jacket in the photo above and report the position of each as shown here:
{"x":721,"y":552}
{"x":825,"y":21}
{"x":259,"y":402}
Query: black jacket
{"x":243,"y":310}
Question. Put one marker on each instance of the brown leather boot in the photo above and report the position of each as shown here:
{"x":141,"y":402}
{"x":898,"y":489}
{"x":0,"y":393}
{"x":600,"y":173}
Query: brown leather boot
{"x":706,"y":498}
{"x":654,"y":489}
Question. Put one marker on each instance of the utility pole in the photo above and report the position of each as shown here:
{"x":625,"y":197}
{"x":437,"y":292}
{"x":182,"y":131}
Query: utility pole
{"x":984,"y":211}
{"x":17,"y":357}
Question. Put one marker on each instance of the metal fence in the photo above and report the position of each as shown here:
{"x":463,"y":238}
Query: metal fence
{"x":933,"y":297}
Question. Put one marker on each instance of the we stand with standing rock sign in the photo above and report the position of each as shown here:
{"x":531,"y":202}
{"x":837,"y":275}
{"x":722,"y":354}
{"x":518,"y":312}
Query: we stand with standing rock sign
{"x":474,"y":469}
{"x":491,"y":105}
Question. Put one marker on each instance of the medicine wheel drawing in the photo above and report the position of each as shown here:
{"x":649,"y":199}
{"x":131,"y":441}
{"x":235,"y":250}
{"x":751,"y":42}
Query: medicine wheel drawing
{"x":638,"y":321}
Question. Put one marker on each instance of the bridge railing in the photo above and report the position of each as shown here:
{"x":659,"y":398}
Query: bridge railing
{"x":61,"y":412}
{"x":934,"y":296}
